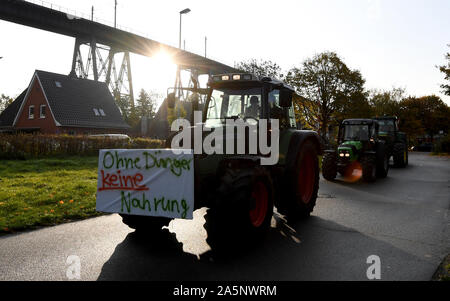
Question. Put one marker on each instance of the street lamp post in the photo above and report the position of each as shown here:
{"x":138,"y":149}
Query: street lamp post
{"x":184,"y":11}
{"x":178,"y":80}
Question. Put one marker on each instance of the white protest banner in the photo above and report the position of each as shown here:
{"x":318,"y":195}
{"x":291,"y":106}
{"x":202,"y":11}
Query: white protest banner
{"x":146,"y":182}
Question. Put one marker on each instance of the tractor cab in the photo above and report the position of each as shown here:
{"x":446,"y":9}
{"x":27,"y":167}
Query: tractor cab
{"x":250,"y":98}
{"x":359,"y":133}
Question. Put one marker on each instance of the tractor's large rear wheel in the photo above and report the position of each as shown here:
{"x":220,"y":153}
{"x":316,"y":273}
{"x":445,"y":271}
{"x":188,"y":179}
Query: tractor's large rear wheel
{"x":299,"y":197}
{"x":242,"y":211}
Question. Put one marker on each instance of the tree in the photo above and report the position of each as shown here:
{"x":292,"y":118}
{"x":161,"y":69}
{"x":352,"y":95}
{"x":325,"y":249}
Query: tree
{"x":128,"y":112}
{"x":354,"y":106}
{"x":446,"y":70}
{"x":5,"y":101}
{"x":146,"y":104}
{"x":427,"y":114}
{"x":322,"y":80}
{"x":386,"y":102}
{"x":261,"y":68}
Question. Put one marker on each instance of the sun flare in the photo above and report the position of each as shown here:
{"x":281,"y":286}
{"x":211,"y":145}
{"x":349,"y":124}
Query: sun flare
{"x":156,"y":73}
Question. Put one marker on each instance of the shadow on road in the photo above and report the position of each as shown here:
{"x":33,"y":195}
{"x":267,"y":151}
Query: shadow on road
{"x":308,"y":250}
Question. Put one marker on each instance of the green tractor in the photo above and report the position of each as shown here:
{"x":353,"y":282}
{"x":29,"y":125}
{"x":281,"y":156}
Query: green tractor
{"x":359,"y":147}
{"x":239,"y":191}
{"x":396,"y":141}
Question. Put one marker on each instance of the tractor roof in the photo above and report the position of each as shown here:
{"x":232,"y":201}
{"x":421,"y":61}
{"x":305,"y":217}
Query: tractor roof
{"x":248,"y":78}
{"x":359,"y":122}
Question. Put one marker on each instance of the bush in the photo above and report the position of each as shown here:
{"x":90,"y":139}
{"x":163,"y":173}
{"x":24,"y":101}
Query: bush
{"x":443,"y":146}
{"x":33,"y":146}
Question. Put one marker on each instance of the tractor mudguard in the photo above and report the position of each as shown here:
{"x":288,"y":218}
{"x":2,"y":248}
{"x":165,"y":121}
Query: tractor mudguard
{"x":298,"y":138}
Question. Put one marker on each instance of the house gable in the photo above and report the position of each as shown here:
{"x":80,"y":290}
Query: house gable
{"x":35,"y":97}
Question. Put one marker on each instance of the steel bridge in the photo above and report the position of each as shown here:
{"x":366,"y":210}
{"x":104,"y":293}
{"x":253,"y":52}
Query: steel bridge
{"x":110,"y":41}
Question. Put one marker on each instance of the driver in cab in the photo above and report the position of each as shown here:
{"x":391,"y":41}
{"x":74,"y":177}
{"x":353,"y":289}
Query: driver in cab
{"x":253,"y":110}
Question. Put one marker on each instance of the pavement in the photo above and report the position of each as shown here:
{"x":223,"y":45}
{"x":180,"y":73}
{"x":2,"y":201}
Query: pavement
{"x":403,"y":220}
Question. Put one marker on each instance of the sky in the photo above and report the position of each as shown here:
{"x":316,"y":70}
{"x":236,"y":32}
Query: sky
{"x":394,"y":43}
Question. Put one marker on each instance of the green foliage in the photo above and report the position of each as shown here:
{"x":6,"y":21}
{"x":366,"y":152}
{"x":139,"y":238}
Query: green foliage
{"x":354,"y":106}
{"x":175,"y":113}
{"x":386,"y":102}
{"x":123,"y":102}
{"x":36,"y":146}
{"x":146,"y":104}
{"x":5,"y":101}
{"x":443,"y":146}
{"x":446,"y":70}
{"x":428,"y":114}
{"x":322,"y":80}
{"x":261,"y":68}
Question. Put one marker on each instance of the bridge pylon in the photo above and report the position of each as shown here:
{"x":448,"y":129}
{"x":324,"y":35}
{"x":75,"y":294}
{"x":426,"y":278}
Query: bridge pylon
{"x":99,"y":64}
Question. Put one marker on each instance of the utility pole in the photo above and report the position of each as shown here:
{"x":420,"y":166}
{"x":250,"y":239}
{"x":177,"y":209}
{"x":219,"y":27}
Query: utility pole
{"x":92,"y":13}
{"x":115,"y":13}
{"x":206,"y":43}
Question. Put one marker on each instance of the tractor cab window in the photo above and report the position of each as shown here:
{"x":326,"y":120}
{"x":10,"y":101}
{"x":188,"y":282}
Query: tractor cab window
{"x":234,"y":104}
{"x":356,"y":132}
{"x":285,"y":115}
{"x":386,"y":125}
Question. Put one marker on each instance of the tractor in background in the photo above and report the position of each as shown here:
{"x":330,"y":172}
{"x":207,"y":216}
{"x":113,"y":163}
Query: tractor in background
{"x":396,"y":141}
{"x":359,"y":148}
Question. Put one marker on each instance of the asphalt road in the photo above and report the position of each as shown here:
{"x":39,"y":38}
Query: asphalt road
{"x":403,"y":219}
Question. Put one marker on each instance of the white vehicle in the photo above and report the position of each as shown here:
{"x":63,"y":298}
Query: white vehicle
{"x":113,"y":136}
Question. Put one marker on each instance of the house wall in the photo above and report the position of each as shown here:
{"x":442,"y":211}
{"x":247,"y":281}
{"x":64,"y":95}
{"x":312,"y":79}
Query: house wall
{"x":36,"y":97}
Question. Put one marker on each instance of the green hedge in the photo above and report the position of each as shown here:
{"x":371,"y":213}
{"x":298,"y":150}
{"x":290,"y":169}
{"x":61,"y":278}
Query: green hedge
{"x":35,"y":146}
{"x":443,"y":146}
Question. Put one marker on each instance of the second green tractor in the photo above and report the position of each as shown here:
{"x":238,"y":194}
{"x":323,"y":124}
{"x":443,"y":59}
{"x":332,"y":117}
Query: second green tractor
{"x":359,"y":148}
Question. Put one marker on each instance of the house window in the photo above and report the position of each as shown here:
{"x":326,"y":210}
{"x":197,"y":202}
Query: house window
{"x":102,"y":112}
{"x":96,"y":112}
{"x":43,"y":111}
{"x":31,"y":112}
{"x":58,"y":84}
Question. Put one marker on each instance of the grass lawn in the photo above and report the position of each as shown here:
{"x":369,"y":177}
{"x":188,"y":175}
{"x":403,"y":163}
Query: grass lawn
{"x":42,"y":192}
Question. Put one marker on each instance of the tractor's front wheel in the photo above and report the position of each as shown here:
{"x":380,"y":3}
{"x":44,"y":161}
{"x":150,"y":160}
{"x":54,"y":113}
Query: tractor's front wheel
{"x":382,"y":162}
{"x":400,"y":155}
{"x":329,"y":166}
{"x":242,"y":211}
{"x":369,"y":168}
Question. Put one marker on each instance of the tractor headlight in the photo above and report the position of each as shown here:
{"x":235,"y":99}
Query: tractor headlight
{"x":341,"y":155}
{"x":347,"y":155}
